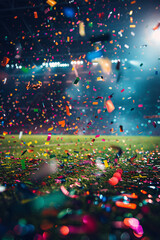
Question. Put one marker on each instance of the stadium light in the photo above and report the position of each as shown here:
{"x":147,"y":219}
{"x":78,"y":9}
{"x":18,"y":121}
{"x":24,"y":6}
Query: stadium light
{"x":77,"y":62}
{"x":55,"y":64}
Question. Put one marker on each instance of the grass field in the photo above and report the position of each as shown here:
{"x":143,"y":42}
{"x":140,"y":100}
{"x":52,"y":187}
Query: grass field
{"x":83,"y":171}
{"x":11,"y":145}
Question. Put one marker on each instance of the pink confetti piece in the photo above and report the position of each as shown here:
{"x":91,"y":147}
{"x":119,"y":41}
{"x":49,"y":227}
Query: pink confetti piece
{"x":122,"y":90}
{"x":140,"y":105}
{"x":103,"y":140}
{"x":97,"y":136}
{"x":49,"y":137}
{"x":46,"y":10}
{"x":65,"y":192}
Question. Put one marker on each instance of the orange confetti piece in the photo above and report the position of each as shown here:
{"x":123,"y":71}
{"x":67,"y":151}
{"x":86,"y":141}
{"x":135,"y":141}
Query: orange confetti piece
{"x":51,"y":2}
{"x":5,"y":61}
{"x":126,"y":222}
{"x":156,"y":27}
{"x":126,"y":205}
{"x":133,"y":195}
{"x":76,"y":132}
{"x":67,"y":111}
{"x":144,"y":192}
{"x":64,"y":230}
{"x":35,"y":15}
{"x":62,"y":123}
{"x":131,"y":19}
{"x":5,"y":133}
{"x":30,"y":150}
{"x":109,"y":105}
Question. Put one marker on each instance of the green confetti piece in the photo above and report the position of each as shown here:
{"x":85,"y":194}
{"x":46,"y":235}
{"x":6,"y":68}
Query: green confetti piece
{"x":23,"y":164}
{"x":64,"y":212}
{"x":25,"y":70}
{"x":26,"y":182}
{"x":90,"y":24}
{"x":77,"y":80}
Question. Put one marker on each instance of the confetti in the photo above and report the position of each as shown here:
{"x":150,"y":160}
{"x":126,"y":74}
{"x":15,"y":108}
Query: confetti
{"x":49,"y":137}
{"x":109,"y":105}
{"x":5,"y":61}
{"x":157,"y":26}
{"x":67,"y":111}
{"x":52,"y":3}
{"x":81,"y":29}
{"x":75,"y":160}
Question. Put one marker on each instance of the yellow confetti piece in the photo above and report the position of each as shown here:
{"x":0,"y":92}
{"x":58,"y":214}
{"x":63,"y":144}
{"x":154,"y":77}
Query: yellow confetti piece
{"x":132,"y":26}
{"x":50,"y":129}
{"x":5,"y":133}
{"x":82,"y":29}
{"x":106,"y":163}
{"x":29,"y":143}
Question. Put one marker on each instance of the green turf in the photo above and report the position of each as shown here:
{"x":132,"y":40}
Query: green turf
{"x":71,"y":154}
{"x":12,"y":145}
{"x":79,"y":147}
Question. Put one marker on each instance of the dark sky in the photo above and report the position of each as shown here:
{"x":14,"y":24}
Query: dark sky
{"x":54,"y":37}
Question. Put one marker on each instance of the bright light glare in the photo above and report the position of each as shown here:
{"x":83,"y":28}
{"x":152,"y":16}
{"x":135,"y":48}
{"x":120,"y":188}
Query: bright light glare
{"x":134,"y":63}
{"x":156,"y":36}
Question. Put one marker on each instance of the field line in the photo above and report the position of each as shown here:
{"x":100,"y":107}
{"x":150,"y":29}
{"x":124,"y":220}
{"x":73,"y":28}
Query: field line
{"x":54,"y":144}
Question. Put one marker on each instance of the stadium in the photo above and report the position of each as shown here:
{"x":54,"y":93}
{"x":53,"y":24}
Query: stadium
{"x":79,"y":119}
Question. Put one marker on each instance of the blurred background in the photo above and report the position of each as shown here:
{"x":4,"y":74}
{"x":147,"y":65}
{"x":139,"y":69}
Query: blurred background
{"x":51,"y":45}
